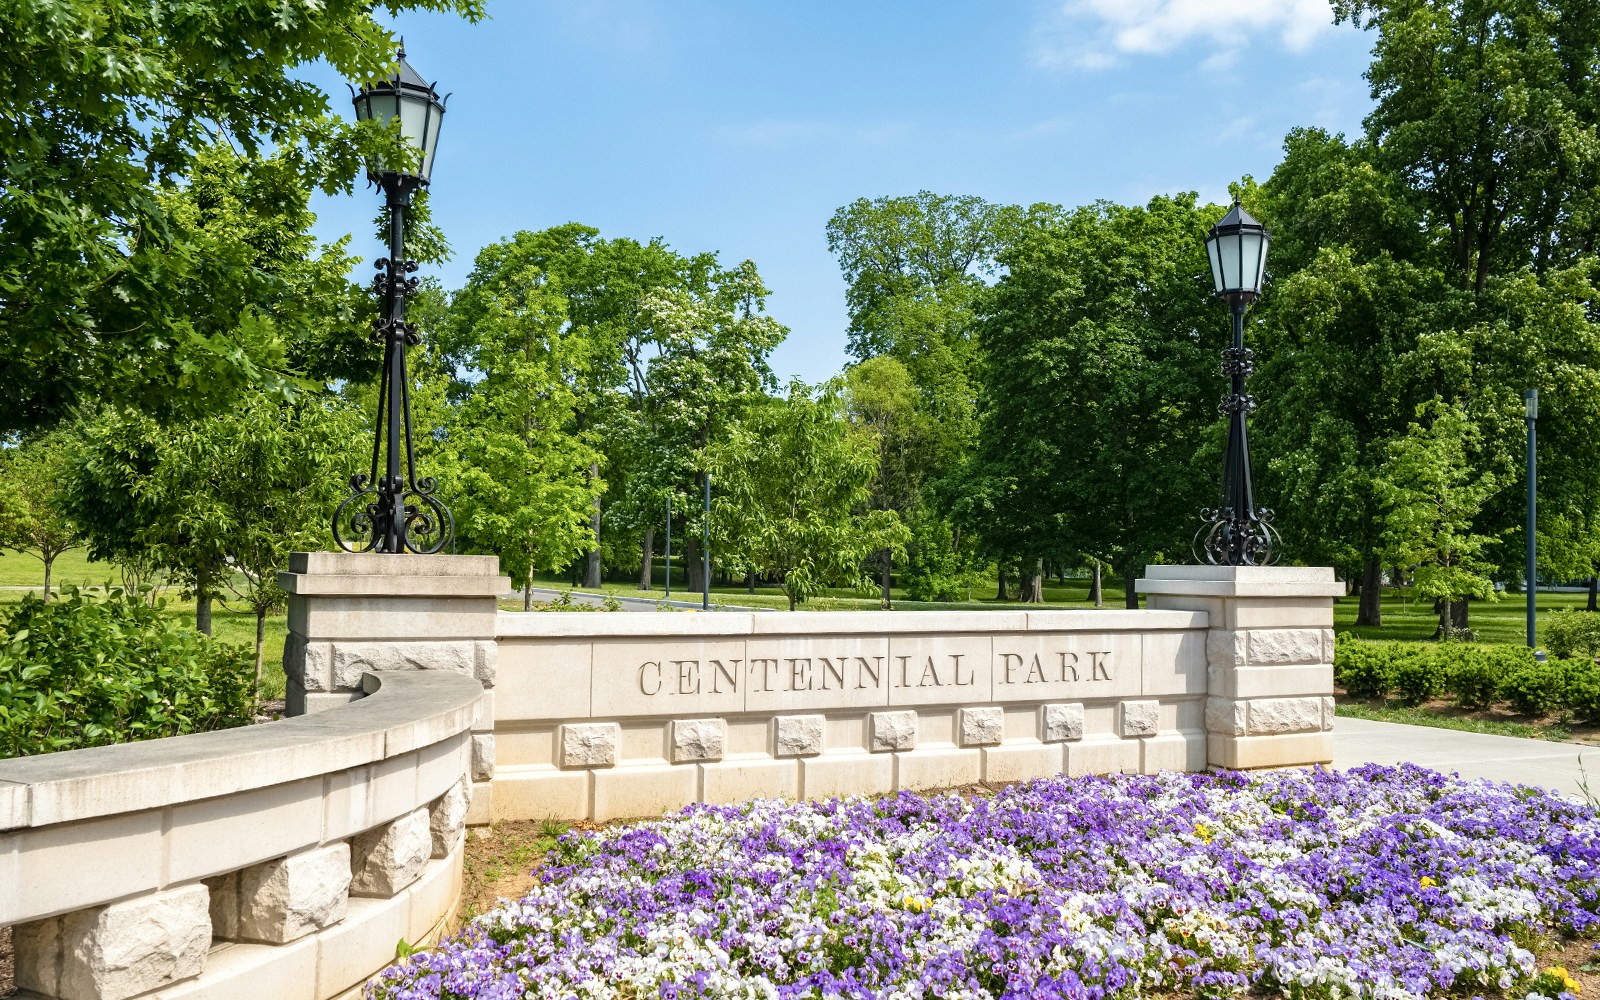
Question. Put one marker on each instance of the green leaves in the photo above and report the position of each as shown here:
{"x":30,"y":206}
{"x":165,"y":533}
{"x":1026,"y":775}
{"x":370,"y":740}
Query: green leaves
{"x":85,"y":671}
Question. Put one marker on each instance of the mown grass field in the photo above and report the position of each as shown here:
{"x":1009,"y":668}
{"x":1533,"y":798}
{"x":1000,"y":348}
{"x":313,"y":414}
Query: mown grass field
{"x":1404,"y":618}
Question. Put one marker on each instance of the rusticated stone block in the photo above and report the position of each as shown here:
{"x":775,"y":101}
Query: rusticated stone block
{"x":119,"y":951}
{"x":482,"y":756}
{"x":291,"y":897}
{"x":485,"y":662}
{"x":352,"y":659}
{"x":1328,"y":643}
{"x":799,"y":735}
{"x":385,"y":860}
{"x":310,"y":663}
{"x":698,"y":740}
{"x":892,"y":731}
{"x":224,"y":891}
{"x":1140,"y":718}
{"x":1227,"y":716}
{"x":982,"y":727}
{"x":1062,"y":722}
{"x":590,"y":744}
{"x":36,"y":956}
{"x":447,"y":817}
{"x":1329,"y":710}
{"x":1226,"y":648}
{"x":1272,"y":716}
{"x":1269,"y":647}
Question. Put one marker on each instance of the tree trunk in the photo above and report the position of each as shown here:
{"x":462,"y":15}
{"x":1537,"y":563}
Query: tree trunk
{"x":647,"y":560}
{"x":591,"y":575}
{"x":202,"y":602}
{"x":1594,"y":593}
{"x":692,"y":564}
{"x":1033,"y":585}
{"x":1096,"y":591}
{"x":261,"y":636}
{"x":527,"y":589}
{"x":1130,"y":591}
{"x":887,"y":560}
{"x":1370,"y":609}
{"x":1458,"y":615}
{"x":48,"y":561}
{"x":1000,"y":581}
{"x":750,"y":582}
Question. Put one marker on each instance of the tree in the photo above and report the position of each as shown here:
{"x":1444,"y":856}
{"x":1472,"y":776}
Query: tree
{"x":1097,"y":388}
{"x":793,"y":494}
{"x":1433,"y":487}
{"x":108,"y":107}
{"x":523,"y":475}
{"x":234,"y":492}
{"x":33,"y":519}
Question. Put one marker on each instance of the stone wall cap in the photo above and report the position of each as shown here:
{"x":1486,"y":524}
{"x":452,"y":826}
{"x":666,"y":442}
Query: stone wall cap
{"x":1113,"y":620}
{"x":100,"y":781}
{"x":585,"y":624}
{"x":1241,"y":581}
{"x":392,"y":564}
{"x":393,"y":585}
{"x":570,"y":624}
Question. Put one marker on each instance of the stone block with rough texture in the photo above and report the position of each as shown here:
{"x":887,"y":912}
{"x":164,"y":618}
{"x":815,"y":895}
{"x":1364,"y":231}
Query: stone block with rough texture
{"x":590,"y":744}
{"x":385,"y":860}
{"x":698,"y":740}
{"x":1227,"y":716}
{"x":352,"y":659}
{"x":291,"y":897}
{"x":982,"y":727}
{"x":1271,"y":716}
{"x":36,"y":956}
{"x":119,"y":951}
{"x":1328,"y":710}
{"x":892,"y":731}
{"x":799,"y":735}
{"x":224,"y":891}
{"x":447,"y":817}
{"x":1226,"y":648}
{"x":1269,"y":647}
{"x":482,"y":756}
{"x":486,"y":661}
{"x":1140,"y":718}
{"x":1062,"y":722}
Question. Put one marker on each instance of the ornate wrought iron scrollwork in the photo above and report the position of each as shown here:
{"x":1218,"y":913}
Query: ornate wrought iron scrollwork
{"x":398,"y":511}
{"x":1226,"y":539}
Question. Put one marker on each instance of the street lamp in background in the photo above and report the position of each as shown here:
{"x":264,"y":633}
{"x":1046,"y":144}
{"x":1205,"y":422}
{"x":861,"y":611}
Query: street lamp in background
{"x":397,"y":512}
{"x":1530,"y":402}
{"x":1238,"y":533}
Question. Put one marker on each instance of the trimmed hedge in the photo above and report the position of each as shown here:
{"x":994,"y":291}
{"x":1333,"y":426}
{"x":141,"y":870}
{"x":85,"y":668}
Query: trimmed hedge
{"x":84,"y":671}
{"x":1474,"y":676}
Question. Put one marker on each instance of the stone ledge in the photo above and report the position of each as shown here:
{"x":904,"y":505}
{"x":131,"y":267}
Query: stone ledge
{"x":412,"y":710}
{"x":1241,"y":581}
{"x":515,"y":625}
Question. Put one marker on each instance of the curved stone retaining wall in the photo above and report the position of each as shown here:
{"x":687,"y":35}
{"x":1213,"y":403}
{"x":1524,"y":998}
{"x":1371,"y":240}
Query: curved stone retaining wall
{"x":285,"y":860}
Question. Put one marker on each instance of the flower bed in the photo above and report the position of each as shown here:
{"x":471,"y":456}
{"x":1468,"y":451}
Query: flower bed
{"x":1385,"y":882}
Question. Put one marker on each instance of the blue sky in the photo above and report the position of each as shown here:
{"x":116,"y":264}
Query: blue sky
{"x":739,"y":126}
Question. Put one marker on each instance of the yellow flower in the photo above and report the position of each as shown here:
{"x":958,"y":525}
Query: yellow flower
{"x":1567,"y":982}
{"x":1426,"y":882}
{"x":917,"y":904}
{"x":1203,"y":832}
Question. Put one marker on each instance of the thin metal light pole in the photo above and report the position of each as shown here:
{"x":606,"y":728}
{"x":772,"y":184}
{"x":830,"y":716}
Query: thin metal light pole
{"x":706,"y":551}
{"x":1531,"y":415}
{"x":669,"y":546}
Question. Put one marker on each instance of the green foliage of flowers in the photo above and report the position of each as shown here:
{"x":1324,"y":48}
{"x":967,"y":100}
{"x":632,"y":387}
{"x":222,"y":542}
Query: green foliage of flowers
{"x":84,"y":671}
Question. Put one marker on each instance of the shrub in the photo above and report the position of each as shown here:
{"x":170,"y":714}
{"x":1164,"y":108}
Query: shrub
{"x":82,"y":671}
{"x":1572,"y":633}
{"x":1582,"y":684}
{"x":1420,"y":672}
{"x":1364,"y":669}
{"x":1475,"y":677}
{"x":1535,"y":688}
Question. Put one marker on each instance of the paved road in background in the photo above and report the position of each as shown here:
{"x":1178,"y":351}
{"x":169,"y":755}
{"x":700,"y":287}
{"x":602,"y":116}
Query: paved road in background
{"x":1555,"y":766}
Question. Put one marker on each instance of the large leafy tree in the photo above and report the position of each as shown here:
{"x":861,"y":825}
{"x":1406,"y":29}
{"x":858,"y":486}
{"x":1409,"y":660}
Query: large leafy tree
{"x":793,"y":494}
{"x":108,"y":106}
{"x":1097,"y":388}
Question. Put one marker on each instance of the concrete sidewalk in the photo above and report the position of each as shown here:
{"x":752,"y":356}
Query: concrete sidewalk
{"x":1555,"y":766}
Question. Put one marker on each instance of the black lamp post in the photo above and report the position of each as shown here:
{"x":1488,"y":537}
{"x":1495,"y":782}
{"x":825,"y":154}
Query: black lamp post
{"x":1238,"y":533}
{"x":397,"y":512}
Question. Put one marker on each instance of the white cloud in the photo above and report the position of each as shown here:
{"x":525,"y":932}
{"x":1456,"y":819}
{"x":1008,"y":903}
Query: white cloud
{"x":1096,"y":34}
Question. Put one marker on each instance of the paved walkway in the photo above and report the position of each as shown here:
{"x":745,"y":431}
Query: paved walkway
{"x":1504,"y":758}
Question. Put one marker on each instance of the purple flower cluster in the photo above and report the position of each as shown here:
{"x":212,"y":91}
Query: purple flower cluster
{"x":1375,"y":882}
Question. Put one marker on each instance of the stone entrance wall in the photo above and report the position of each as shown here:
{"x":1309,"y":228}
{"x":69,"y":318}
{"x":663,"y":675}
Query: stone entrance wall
{"x":602,"y":716}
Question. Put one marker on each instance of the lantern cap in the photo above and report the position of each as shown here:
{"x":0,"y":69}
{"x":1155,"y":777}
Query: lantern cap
{"x":1236,"y":219}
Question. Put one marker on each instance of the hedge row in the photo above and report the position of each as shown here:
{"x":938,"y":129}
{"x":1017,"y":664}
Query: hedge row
{"x":1473,"y":676}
